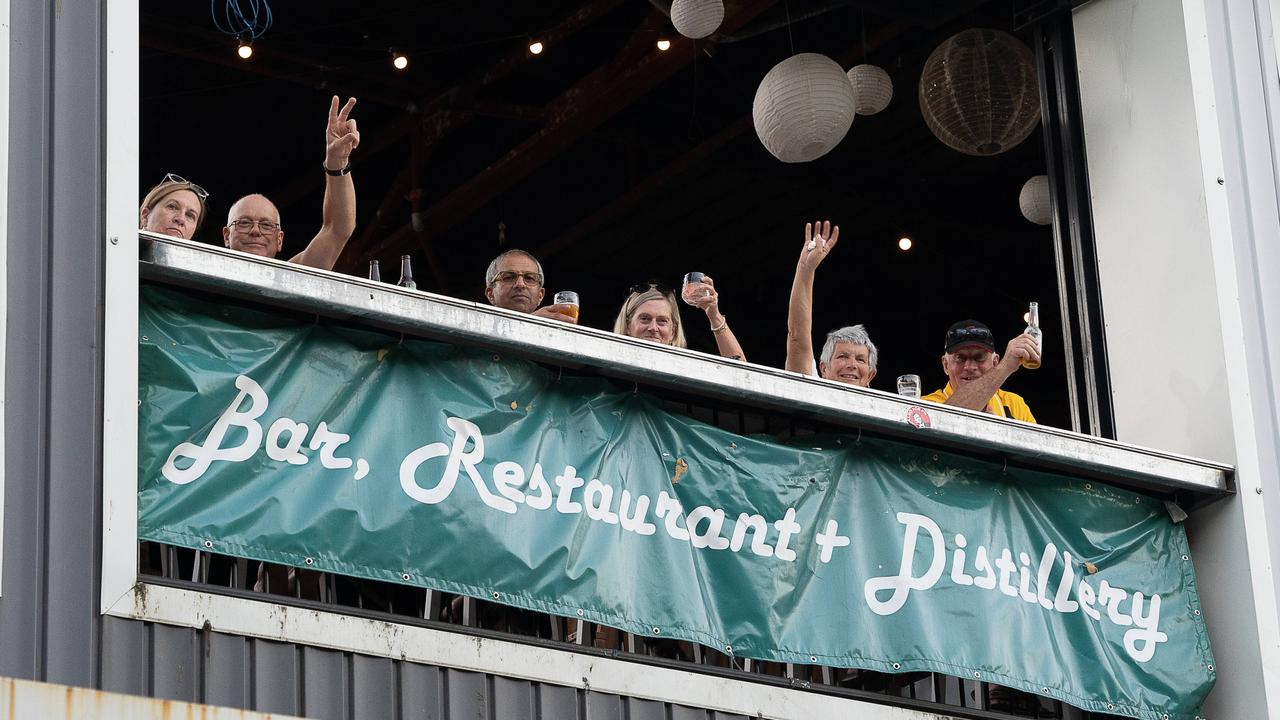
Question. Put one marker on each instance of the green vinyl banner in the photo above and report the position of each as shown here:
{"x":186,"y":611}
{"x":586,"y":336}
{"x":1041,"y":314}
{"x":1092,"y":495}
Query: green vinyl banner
{"x":446,"y":467}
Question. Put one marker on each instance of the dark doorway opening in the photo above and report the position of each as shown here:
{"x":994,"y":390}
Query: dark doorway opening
{"x":615,"y":162}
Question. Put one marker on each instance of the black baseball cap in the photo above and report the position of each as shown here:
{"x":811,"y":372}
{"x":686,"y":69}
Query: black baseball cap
{"x":969,"y":332}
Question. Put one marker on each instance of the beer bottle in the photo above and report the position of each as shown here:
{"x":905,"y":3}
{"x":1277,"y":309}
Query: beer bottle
{"x":406,"y":274}
{"x":1033,"y":329}
{"x":374,"y":273}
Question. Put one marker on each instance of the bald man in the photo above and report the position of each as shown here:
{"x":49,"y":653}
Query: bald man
{"x":253,"y":223}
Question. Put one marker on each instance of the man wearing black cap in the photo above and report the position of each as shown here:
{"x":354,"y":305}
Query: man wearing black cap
{"x":975,"y":371}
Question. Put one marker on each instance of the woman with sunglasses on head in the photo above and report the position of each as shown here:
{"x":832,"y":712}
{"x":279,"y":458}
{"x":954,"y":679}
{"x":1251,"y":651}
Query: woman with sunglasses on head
{"x":651,"y":313}
{"x":173,"y":207}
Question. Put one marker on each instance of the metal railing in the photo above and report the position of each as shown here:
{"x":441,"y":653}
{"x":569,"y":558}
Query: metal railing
{"x":738,"y":397}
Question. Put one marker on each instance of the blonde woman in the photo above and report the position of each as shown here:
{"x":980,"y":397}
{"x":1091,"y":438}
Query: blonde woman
{"x":651,"y":313}
{"x":173,"y":207}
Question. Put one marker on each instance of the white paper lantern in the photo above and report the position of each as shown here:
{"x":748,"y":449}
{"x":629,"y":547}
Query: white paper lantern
{"x":803,"y":107}
{"x":1035,"y":202}
{"x":872,"y":89}
{"x":697,"y":18}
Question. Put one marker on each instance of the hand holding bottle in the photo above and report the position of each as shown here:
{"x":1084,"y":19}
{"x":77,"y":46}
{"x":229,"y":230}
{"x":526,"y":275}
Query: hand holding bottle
{"x":1033,"y":331}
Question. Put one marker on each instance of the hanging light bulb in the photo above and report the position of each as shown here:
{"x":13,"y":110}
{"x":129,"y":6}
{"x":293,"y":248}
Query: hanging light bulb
{"x":664,"y":44}
{"x":399,"y":60}
{"x":245,"y":50}
{"x":535,"y":47}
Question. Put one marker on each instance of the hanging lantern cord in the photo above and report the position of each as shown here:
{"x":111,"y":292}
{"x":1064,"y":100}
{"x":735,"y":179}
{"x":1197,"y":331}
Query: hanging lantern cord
{"x":235,"y":21}
{"x":863,"y":28}
{"x":787,"y":6}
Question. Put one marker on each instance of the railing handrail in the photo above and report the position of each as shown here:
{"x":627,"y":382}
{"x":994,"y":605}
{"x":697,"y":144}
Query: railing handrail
{"x":211,"y":268}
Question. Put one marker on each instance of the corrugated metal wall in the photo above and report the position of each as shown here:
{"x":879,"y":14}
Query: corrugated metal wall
{"x":218,"y":669}
{"x":50,"y":629}
{"x":48,"y":614}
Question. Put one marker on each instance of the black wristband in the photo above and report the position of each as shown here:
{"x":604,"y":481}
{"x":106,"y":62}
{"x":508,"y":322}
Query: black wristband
{"x":337,"y":173}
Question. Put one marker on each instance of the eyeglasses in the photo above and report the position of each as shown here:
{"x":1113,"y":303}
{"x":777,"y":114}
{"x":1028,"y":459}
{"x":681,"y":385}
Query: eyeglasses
{"x":266,"y":227}
{"x":530,"y":278}
{"x":199,"y":191}
{"x":964,"y":357}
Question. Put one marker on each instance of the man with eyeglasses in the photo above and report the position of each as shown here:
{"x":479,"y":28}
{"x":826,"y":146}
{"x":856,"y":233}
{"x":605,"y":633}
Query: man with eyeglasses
{"x":975,"y":371}
{"x":514,"y":281}
{"x":253,"y":223}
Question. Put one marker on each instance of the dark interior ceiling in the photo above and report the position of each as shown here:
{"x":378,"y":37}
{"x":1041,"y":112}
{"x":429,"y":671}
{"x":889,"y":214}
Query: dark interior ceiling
{"x":614,"y":162}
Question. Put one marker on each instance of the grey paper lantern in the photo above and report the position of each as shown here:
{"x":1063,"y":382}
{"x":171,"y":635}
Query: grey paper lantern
{"x":697,"y":18}
{"x":1035,"y":202}
{"x":979,"y":93}
{"x":803,"y":107}
{"x":872,"y":89}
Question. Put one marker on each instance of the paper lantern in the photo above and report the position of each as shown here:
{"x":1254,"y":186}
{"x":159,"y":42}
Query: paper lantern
{"x":803,"y":107}
{"x":1035,"y":202}
{"x":872,"y":89}
{"x":979,"y":93}
{"x":697,"y":18}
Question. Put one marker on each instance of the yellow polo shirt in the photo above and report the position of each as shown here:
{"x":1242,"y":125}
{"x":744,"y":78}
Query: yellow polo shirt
{"x":1002,"y":404}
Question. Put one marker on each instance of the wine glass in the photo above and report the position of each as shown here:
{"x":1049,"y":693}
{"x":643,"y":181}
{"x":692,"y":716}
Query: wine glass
{"x":694,"y":288}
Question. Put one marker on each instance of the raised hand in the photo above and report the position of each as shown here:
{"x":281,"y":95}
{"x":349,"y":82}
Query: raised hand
{"x":1022,"y":347}
{"x":342,"y":136}
{"x":708,"y":301}
{"x":819,"y":239}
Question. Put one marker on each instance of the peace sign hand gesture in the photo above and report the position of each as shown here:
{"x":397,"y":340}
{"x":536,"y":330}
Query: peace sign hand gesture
{"x":342,"y":136}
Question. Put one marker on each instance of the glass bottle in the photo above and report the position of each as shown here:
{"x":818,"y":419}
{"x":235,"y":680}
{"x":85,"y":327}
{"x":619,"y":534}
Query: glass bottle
{"x":406,"y":274}
{"x":1033,"y":329}
{"x":375,"y":274}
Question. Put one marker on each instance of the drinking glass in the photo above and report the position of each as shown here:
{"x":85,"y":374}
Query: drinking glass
{"x":693,"y":288}
{"x":909,"y":385}
{"x":570,"y":298}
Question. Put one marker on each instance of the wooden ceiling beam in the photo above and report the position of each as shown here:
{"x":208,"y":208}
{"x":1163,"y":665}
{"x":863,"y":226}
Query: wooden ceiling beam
{"x":437,"y":115}
{"x":641,"y":190}
{"x":590,"y":102}
{"x":272,"y":62}
{"x":678,"y":164}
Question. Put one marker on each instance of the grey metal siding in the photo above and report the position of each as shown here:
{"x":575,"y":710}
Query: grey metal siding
{"x":50,"y":628}
{"x":48,"y":619}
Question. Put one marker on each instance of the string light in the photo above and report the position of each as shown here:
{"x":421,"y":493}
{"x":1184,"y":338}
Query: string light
{"x":664,"y":44}
{"x":399,"y":61}
{"x":904,"y":243}
{"x":535,"y":47}
{"x":245,"y":24}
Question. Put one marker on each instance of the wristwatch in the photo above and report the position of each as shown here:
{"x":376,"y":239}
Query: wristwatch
{"x":337,"y":173}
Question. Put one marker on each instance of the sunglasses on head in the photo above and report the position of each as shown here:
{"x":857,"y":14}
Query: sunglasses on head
{"x":651,"y":284}
{"x":199,"y":191}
